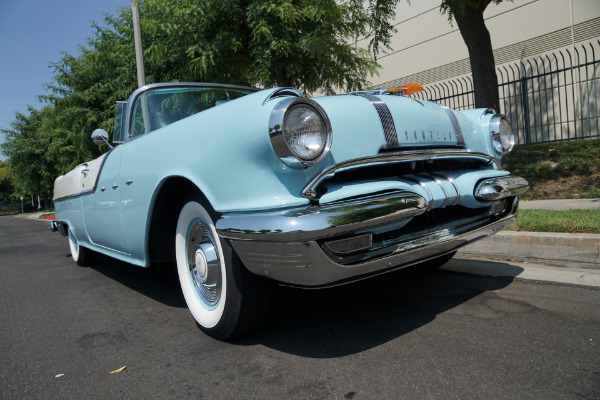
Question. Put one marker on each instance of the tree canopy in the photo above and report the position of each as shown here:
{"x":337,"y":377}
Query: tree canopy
{"x":307,"y":44}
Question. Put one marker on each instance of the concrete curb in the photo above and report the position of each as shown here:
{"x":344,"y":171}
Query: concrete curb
{"x":562,"y":249}
{"x":526,"y":271}
{"x":37,"y":216}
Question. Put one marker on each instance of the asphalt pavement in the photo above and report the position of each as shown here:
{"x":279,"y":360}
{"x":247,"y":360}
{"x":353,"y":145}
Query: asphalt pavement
{"x":403,"y":335}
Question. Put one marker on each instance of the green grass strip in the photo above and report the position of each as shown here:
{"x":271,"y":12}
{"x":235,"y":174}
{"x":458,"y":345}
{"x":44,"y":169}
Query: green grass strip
{"x":568,"y":221}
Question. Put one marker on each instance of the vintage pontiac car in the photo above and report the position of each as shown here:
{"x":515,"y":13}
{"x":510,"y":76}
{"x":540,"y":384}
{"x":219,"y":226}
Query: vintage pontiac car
{"x":242,"y":188}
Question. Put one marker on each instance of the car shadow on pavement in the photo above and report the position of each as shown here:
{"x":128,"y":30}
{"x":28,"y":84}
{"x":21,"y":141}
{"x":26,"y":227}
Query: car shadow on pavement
{"x":341,"y":321}
{"x":332,"y":322}
{"x":160,"y":282}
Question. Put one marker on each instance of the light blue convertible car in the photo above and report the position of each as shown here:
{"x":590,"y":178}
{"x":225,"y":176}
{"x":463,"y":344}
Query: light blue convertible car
{"x":242,"y":188}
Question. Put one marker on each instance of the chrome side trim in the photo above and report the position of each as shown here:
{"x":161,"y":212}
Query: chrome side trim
{"x":100,"y":170}
{"x":460,"y":140}
{"x":321,"y":221}
{"x":406,"y":156}
{"x":385,"y":116}
{"x":499,"y":188}
{"x":71,"y":196}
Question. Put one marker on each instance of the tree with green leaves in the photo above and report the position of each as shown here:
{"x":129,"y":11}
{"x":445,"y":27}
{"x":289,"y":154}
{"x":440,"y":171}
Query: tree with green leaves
{"x":308,"y":44}
{"x":27,"y":147}
{"x":6,"y":187}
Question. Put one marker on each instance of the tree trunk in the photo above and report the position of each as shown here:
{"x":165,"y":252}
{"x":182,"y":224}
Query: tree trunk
{"x":477,"y":38}
{"x":281,"y":77}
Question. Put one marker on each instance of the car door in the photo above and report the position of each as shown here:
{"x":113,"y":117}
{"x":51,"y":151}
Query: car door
{"x":102,"y":203}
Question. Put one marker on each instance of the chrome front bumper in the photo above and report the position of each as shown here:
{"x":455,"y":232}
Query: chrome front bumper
{"x":293,"y":246}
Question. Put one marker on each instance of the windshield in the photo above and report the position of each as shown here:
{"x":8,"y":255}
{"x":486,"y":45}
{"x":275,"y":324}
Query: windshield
{"x":156,"y":108}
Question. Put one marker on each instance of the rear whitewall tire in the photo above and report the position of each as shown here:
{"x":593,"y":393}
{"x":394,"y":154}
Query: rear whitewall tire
{"x":81,"y":255}
{"x":74,"y":246}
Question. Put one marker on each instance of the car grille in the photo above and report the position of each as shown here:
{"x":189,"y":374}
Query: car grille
{"x":416,"y":167}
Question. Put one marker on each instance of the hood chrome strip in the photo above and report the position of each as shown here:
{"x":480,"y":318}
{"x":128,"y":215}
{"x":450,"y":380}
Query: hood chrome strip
{"x":387,"y":121}
{"x":457,"y":129}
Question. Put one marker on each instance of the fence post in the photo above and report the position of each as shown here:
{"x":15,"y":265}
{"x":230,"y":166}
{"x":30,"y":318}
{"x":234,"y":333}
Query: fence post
{"x":525,"y":102}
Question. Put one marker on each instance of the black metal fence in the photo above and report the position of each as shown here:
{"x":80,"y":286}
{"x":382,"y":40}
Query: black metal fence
{"x":10,"y":209}
{"x":552,"y":97}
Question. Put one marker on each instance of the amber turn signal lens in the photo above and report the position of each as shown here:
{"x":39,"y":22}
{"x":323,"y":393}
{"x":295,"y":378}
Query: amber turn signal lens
{"x":408,"y":89}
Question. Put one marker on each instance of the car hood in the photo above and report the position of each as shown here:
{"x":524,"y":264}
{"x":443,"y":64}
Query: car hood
{"x":367,"y":125}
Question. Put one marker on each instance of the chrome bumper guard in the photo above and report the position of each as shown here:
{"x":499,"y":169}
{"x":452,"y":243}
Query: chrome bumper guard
{"x":287,"y":246}
{"x":500,"y":188}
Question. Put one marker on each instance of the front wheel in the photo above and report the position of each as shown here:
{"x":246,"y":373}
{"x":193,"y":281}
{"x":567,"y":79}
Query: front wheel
{"x":225,"y":299}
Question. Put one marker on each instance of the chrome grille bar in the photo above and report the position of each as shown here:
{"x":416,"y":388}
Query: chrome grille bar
{"x":430,"y":198}
{"x":440,"y":184}
{"x":309,"y":191}
{"x":451,"y":181}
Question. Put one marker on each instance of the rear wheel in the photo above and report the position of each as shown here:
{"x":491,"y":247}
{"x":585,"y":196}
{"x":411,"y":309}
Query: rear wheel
{"x":225,"y":299}
{"x":81,"y":255}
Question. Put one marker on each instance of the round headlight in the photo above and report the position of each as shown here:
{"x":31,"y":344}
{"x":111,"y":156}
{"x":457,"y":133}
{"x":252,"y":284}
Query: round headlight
{"x":503,"y":137}
{"x":304,"y":132}
{"x":300,"y":132}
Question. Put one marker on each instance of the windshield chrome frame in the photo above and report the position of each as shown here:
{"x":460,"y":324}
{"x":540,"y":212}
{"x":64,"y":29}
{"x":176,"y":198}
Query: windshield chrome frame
{"x":139,"y":91}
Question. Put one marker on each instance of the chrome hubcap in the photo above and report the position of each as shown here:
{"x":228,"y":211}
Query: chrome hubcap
{"x":204,"y":264}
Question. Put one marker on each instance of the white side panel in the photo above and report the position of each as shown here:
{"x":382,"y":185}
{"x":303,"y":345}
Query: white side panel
{"x":81,"y":178}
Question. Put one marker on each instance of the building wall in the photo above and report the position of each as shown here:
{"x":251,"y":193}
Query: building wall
{"x":428,"y":49}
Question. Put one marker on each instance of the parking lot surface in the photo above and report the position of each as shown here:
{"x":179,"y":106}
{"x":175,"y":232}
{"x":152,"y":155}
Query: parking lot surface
{"x":407,"y":334}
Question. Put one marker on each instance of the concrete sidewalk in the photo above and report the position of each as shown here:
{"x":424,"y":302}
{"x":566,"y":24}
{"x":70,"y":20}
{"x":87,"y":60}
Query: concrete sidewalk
{"x":528,"y":271}
{"x":37,"y":215}
{"x":561,"y":204}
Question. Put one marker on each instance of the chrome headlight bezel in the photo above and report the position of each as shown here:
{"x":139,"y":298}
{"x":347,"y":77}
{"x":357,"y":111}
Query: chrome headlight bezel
{"x":502,"y":134}
{"x":279,"y":140}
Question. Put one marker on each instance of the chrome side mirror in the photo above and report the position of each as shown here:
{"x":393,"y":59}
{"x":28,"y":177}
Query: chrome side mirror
{"x":100,"y":137}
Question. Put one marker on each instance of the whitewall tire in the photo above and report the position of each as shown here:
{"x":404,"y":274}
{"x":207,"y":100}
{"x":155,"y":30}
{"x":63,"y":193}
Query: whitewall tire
{"x":224,"y":298}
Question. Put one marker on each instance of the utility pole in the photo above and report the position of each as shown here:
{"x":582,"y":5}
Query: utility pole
{"x":137,"y":37}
